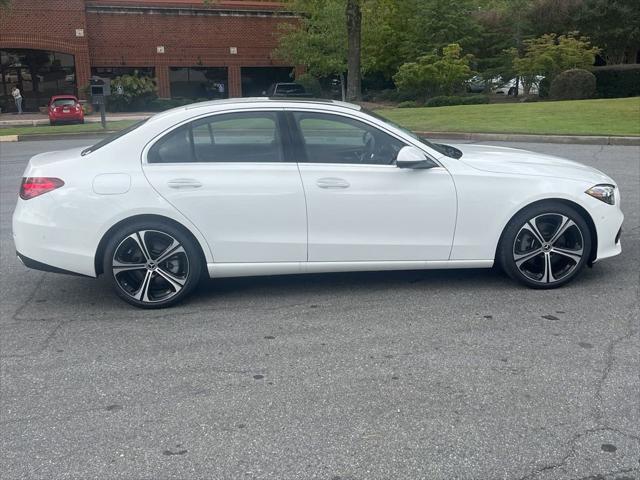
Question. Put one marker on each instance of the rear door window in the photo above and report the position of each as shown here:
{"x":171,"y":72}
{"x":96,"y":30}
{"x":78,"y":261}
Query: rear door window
{"x":231,"y":137}
{"x":237,"y":137}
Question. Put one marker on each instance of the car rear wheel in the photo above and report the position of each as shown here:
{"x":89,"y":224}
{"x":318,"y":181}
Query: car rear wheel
{"x":152,"y":265}
{"x":545,"y":246}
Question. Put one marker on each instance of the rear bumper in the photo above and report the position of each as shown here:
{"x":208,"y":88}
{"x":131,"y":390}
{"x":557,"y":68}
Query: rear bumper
{"x":46,"y":242}
{"x":66,"y":118}
{"x":35,"y":265}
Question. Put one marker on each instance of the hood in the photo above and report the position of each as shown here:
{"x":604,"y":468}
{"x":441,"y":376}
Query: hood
{"x":522,"y":162}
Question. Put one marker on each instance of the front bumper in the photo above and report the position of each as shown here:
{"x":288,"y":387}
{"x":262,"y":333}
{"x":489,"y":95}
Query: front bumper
{"x":608,"y":222}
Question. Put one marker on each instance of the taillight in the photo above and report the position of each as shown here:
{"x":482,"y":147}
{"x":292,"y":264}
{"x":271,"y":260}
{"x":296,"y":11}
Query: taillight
{"x":34,"y":186}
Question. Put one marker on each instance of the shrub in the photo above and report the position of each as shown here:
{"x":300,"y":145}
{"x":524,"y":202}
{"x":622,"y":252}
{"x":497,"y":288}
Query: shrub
{"x":617,"y":81}
{"x":408,"y":104}
{"x":138,"y":91}
{"x":311,"y":84}
{"x":450,"y":101}
{"x":574,"y":84}
{"x":391,"y":95}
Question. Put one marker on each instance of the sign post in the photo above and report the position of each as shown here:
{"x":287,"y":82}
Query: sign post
{"x":100,"y":88}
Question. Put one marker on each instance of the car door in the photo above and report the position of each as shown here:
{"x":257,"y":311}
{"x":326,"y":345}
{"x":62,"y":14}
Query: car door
{"x":228,"y":175}
{"x":360,"y":206}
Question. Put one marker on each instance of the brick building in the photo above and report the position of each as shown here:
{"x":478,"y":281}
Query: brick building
{"x":192,"y":49}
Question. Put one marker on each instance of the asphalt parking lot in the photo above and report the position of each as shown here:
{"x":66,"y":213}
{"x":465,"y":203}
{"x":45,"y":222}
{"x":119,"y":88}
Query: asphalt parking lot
{"x":407,"y":375}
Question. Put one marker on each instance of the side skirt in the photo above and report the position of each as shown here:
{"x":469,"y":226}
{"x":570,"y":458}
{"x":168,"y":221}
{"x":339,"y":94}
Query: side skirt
{"x":226,"y":270}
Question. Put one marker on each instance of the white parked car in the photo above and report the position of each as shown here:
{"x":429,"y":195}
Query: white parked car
{"x":509,"y":88}
{"x":259,"y":187}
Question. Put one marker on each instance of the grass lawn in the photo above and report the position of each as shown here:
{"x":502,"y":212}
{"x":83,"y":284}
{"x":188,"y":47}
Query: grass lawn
{"x":47,"y":129}
{"x":620,"y":116}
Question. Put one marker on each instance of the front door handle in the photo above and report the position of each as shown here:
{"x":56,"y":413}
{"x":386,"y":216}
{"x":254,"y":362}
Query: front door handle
{"x":331,"y":182}
{"x":184,"y":183}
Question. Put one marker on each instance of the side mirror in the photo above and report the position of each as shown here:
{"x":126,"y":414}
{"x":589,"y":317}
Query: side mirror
{"x":413,"y":157}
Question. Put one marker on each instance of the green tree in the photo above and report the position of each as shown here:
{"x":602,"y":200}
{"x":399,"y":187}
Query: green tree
{"x":506,"y":24}
{"x":318,"y":40}
{"x":398,"y":32}
{"x":551,"y":54}
{"x":435,"y":74}
{"x":327,"y":39}
{"x":613,"y":25}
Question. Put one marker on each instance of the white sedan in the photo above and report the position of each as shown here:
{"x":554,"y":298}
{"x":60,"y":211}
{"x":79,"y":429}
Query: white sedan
{"x":260,"y":187}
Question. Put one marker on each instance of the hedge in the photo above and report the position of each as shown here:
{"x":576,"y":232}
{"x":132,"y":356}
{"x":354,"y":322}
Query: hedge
{"x":617,"y":81}
{"x":450,"y":101}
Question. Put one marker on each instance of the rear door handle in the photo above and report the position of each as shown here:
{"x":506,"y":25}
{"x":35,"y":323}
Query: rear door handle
{"x":331,"y":182}
{"x":184,"y":183}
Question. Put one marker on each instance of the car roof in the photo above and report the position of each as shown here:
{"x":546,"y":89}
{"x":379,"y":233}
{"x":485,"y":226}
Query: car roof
{"x":249,"y":102}
{"x":267,"y":100}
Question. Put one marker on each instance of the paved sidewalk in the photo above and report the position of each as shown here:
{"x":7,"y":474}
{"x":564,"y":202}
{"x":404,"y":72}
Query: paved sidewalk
{"x":35,"y":119}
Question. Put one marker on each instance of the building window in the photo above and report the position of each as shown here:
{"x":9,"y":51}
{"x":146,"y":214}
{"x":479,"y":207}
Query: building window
{"x":39,"y":74}
{"x":113,"y":72}
{"x":199,"y":82}
{"x":256,"y":81}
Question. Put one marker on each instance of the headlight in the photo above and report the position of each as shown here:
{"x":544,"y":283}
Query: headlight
{"x":606,"y":193}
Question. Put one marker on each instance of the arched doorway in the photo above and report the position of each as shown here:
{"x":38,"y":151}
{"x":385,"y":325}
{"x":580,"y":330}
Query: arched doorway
{"x":39,"y":74}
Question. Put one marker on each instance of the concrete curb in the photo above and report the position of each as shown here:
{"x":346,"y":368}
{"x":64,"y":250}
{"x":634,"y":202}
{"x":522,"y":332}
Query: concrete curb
{"x":88,"y":119}
{"x":64,"y":136}
{"x":9,"y":138}
{"x":524,"y":138}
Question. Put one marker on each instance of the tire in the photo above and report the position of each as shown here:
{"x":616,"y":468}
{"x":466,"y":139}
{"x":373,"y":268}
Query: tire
{"x":152,"y":264}
{"x":545,"y":246}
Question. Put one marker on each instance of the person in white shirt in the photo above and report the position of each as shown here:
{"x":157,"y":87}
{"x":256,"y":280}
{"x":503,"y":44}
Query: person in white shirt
{"x":17,"y":96}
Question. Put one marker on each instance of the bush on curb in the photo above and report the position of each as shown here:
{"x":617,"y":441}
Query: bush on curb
{"x":573,"y":84}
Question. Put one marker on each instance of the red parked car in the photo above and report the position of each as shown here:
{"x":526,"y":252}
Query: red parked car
{"x":65,"y":108}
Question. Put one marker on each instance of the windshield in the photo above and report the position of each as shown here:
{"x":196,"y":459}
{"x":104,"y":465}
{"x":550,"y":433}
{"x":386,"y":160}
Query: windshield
{"x":64,"y":102}
{"x":447,"y":150}
{"x":111,"y":138}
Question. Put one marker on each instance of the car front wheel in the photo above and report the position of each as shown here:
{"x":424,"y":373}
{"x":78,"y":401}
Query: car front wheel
{"x":545,"y":246}
{"x":152,"y":265}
